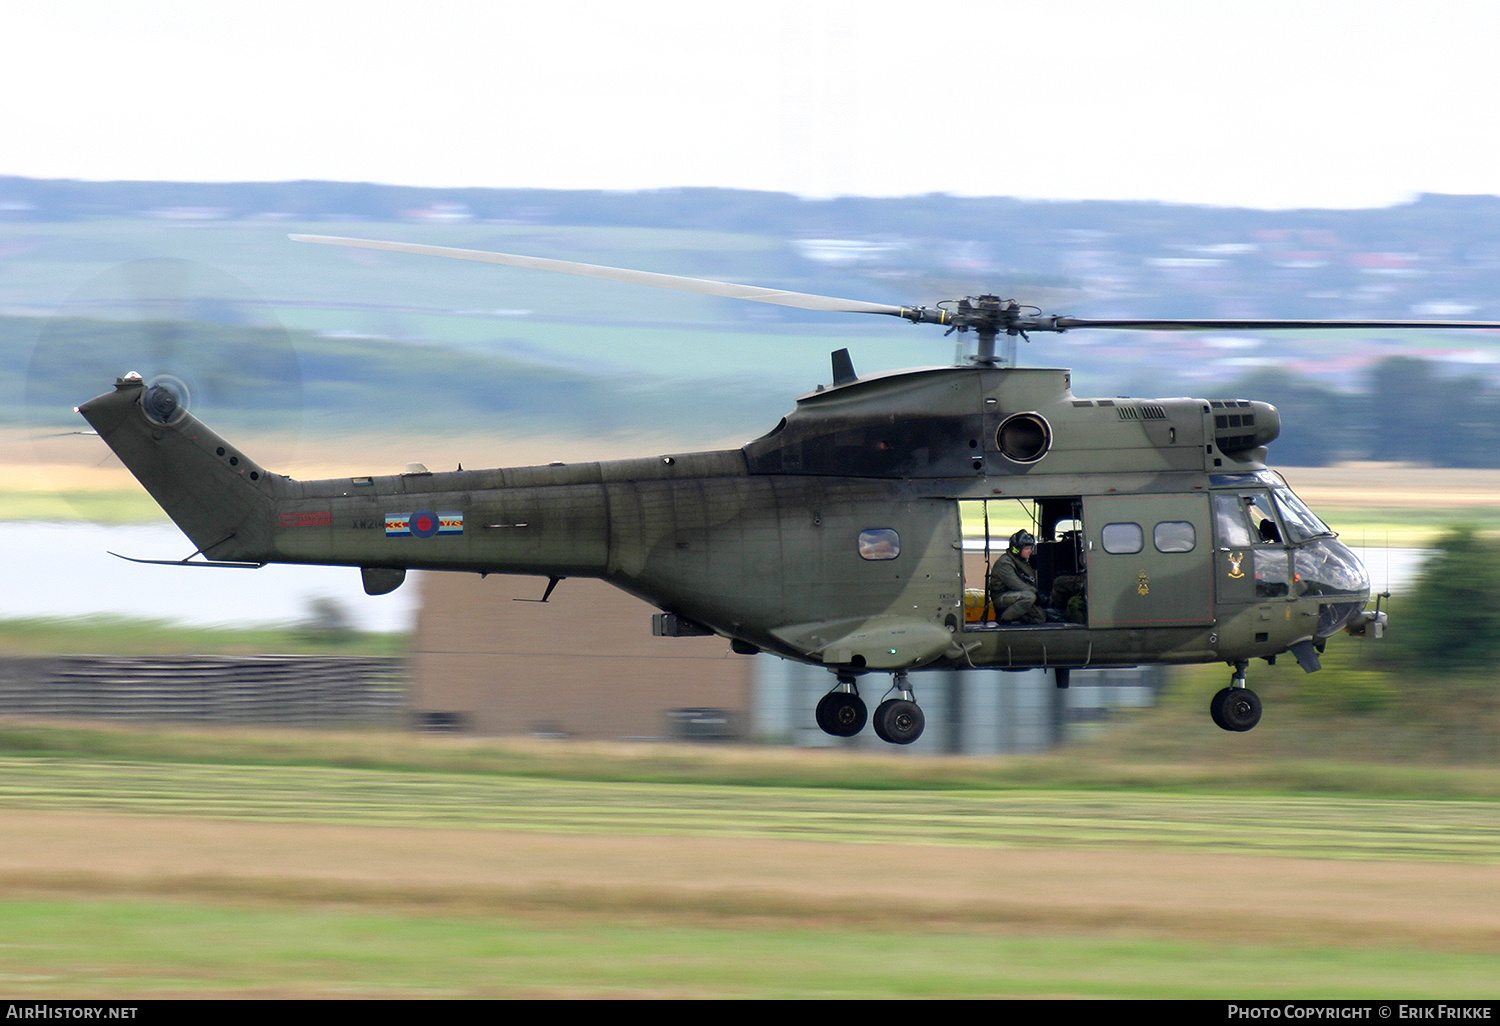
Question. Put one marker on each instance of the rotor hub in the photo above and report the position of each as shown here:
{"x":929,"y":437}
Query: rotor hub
{"x":988,"y":316}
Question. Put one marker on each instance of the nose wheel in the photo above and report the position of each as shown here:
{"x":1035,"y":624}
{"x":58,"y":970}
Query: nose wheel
{"x":1236,"y":707}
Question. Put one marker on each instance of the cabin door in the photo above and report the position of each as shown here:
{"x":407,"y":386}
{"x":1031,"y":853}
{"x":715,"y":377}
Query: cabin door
{"x":1150,"y":560}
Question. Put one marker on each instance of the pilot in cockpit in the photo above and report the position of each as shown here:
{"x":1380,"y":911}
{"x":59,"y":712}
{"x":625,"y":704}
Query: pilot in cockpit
{"x":1264,"y":524}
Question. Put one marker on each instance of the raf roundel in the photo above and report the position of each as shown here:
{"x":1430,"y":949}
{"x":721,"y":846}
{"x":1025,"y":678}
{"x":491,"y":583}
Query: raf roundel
{"x":424,"y":523}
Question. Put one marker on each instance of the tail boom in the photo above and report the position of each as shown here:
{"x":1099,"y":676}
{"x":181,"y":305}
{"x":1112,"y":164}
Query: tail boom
{"x":543,"y":520}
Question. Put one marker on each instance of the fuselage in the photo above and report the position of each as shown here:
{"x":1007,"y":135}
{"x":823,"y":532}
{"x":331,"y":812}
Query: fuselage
{"x":849,"y":535}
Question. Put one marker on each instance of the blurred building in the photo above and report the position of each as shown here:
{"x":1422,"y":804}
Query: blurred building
{"x":490,"y":659}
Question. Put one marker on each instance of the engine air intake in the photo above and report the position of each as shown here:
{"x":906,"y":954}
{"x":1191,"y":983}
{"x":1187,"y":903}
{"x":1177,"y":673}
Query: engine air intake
{"x":1241,"y":424}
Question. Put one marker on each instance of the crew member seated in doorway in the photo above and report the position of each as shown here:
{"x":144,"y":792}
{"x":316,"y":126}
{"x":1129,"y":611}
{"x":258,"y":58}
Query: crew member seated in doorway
{"x":1012,"y":583}
{"x":1068,"y":590}
{"x":1068,"y":597}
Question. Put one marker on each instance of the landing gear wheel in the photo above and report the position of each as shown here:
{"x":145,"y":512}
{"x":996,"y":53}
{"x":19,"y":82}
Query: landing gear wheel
{"x":841,"y":714}
{"x":1236,"y":709}
{"x":898,"y":721}
{"x":1215,"y":708}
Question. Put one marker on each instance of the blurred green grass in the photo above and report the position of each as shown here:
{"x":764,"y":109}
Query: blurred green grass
{"x":1004,"y":814}
{"x":129,"y":948}
{"x":107,"y":634}
{"x":1409,"y":527}
{"x":1183,"y":754}
{"x":104,"y":506}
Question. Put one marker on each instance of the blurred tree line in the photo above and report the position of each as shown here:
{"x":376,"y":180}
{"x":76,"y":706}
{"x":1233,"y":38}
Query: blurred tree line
{"x":1431,"y":676}
{"x":1410,"y":411}
{"x":1452,"y":622}
{"x":248,"y":377}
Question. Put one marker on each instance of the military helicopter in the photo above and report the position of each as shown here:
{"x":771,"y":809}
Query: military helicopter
{"x":838,"y":538}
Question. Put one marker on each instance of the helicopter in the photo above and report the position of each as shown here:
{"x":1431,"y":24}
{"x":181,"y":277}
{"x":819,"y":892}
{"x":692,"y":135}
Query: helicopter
{"x":841,"y":537}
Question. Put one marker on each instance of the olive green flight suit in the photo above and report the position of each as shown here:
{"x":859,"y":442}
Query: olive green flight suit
{"x":1013,"y":590}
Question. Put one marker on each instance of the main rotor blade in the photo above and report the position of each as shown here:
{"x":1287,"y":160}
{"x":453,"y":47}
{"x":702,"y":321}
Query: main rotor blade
{"x":988,"y":316}
{"x":1143,"y":324}
{"x":703,"y":286}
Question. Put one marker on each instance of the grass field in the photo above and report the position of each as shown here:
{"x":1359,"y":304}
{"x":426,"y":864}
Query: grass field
{"x":1317,"y":857}
{"x":1284,"y":825}
{"x":139,"y":863}
{"x":245,"y":949}
{"x":122,"y":635}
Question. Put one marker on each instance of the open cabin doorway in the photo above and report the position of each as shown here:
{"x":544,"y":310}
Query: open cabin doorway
{"x":1056,"y":522}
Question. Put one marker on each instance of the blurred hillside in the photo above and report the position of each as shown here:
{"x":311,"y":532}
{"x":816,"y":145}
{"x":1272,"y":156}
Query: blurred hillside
{"x":1437,"y":256}
{"x":394,"y":339}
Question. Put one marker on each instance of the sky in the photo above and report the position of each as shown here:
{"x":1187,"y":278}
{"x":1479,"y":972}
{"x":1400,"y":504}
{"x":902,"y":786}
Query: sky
{"x":1272,"y":104}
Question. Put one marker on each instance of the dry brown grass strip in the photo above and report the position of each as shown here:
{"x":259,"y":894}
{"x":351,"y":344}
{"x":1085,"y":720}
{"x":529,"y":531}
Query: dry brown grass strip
{"x":717,"y":880}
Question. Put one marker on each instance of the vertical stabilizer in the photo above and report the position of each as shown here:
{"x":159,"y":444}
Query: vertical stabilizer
{"x":223,"y":501}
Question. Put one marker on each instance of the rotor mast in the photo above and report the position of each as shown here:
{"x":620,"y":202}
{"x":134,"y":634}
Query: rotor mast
{"x":987,"y":316}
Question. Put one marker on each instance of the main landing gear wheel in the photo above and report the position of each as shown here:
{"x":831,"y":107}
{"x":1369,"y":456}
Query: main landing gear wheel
{"x":1236,"y":709}
{"x":898,"y":721}
{"x":841,"y":714}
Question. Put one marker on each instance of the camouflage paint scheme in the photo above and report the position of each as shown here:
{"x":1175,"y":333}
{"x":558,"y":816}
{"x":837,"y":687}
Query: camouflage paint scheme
{"x":761,"y":544}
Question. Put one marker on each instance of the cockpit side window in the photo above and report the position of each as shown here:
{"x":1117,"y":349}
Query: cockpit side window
{"x":1262,"y":520}
{"x":1246,"y":518}
{"x":1230,"y":521}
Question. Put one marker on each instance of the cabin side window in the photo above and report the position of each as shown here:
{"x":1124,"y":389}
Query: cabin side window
{"x":879,"y":543}
{"x":1174,"y":536}
{"x":1123,"y":539}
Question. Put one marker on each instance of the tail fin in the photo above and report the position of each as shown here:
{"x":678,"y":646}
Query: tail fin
{"x":222,"y":500}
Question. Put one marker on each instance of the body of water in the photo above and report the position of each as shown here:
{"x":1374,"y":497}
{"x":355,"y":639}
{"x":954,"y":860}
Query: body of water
{"x":66,"y":570}
{"x":1393,"y":570}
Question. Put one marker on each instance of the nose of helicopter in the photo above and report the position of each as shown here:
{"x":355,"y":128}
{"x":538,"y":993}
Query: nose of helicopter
{"x":1328,"y":569}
